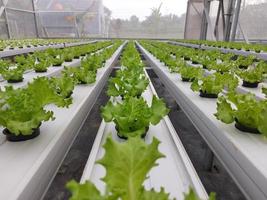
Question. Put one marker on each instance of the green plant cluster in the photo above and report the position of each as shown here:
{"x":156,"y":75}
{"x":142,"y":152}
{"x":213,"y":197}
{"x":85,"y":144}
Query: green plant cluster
{"x":212,"y":83}
{"x":133,"y":115}
{"x":22,"y":110}
{"x":247,"y":68}
{"x":22,"y":43}
{"x":258,"y":48}
{"x":87,"y":72}
{"x":128,"y":163}
{"x":40,"y":61}
{"x":244,"y":109}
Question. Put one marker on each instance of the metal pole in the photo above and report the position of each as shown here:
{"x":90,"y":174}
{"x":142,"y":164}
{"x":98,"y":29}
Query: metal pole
{"x":7,"y":25}
{"x":35,"y":19}
{"x":206,"y":21}
{"x":4,"y":2}
{"x":186,"y":20}
{"x":229,"y":16}
{"x":235,"y":21}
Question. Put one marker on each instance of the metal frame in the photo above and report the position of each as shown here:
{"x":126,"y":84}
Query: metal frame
{"x":229,"y":18}
{"x":40,"y":29}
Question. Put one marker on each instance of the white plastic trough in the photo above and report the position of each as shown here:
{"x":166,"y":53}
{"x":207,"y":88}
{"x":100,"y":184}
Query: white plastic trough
{"x":51,"y":71}
{"x":27,"y":168}
{"x":262,"y":55}
{"x":18,"y":51}
{"x":241,"y":89}
{"x":242,"y":154}
{"x":175,"y":172}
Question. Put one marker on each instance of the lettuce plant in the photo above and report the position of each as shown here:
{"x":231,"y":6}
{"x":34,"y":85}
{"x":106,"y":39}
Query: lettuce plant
{"x":264,"y":91}
{"x":13,"y":74}
{"x":245,"y":62}
{"x":63,"y":85}
{"x":215,"y":83}
{"x":135,"y":156}
{"x":22,"y":110}
{"x":57,"y":60}
{"x":42,"y":65}
{"x":190,"y":73}
{"x":191,"y":195}
{"x":4,"y":65}
{"x":252,"y":75}
{"x":84,"y":76}
{"x":131,"y":80}
{"x":223,"y":67}
{"x":21,"y":59}
{"x":120,"y":184}
{"x":133,"y":116}
{"x":68,"y":56}
{"x":244,"y":109}
{"x":127,"y":83}
{"x":92,"y":63}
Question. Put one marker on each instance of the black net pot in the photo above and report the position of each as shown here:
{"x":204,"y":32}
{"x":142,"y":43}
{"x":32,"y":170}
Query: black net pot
{"x":126,"y":138}
{"x":19,"y":138}
{"x":244,"y":128}
{"x":250,"y":85}
{"x":15,"y":81}
{"x":207,"y":95}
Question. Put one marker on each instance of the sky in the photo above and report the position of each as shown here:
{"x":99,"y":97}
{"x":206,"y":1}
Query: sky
{"x":124,"y":9}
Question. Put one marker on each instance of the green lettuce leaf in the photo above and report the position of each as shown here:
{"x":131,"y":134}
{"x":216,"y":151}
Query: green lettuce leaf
{"x":264,"y":91}
{"x":134,"y":159}
{"x":262,"y":126}
{"x":133,"y":116}
{"x":225,"y":112}
{"x":124,"y":178}
{"x":158,"y":109}
{"x":191,"y":195}
{"x":86,"y":191}
{"x":43,"y":93}
{"x":153,"y":195}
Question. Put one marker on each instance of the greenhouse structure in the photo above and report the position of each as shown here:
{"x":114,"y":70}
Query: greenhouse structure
{"x":133,"y":100}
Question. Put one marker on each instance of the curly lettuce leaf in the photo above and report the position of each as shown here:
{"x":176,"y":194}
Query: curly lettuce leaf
{"x":191,"y":195}
{"x":19,"y":126}
{"x":133,"y":116}
{"x":20,"y":113}
{"x":153,"y":195}
{"x":225,"y":113}
{"x":158,"y":109}
{"x":264,"y":91}
{"x":84,"y":76}
{"x":195,"y":85}
{"x":43,"y":93}
{"x":63,"y":85}
{"x":247,"y":110}
{"x":86,"y":191}
{"x":134,"y":159}
{"x":106,"y":112}
{"x":262,"y":125}
{"x":124,"y":178}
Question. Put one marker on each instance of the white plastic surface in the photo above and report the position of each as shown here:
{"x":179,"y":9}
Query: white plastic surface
{"x":17,"y":51}
{"x":262,"y":55}
{"x":242,"y":154}
{"x":51,"y":71}
{"x":175,"y":172}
